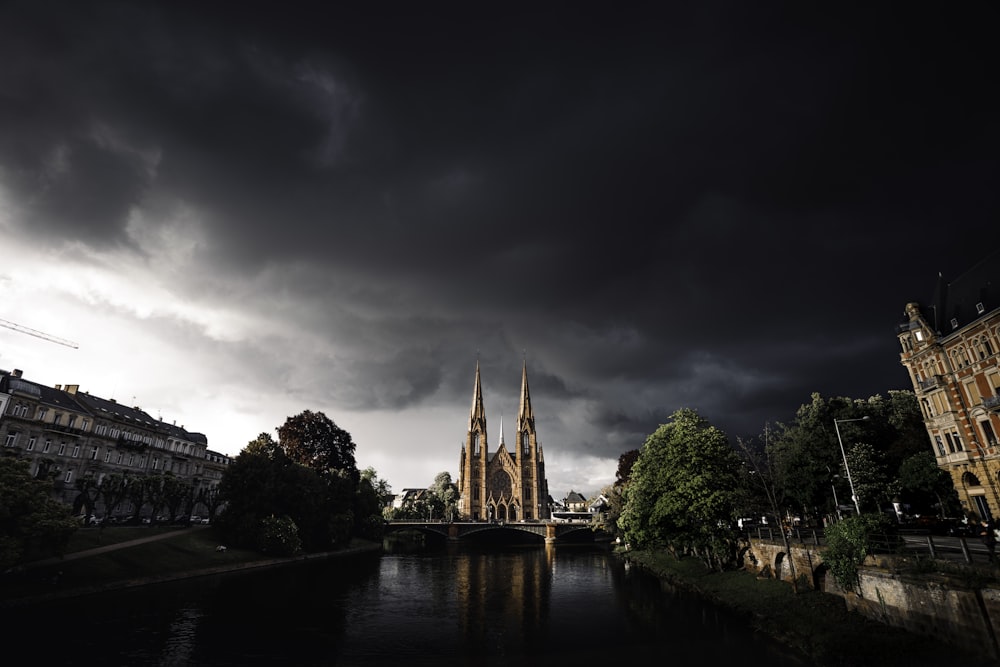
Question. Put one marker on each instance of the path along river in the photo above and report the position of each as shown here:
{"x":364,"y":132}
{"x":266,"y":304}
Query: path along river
{"x":454,"y":605}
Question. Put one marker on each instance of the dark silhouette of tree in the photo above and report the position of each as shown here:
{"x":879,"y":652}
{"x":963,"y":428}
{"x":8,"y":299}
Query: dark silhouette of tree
{"x":312,"y":439}
{"x":32,"y":523}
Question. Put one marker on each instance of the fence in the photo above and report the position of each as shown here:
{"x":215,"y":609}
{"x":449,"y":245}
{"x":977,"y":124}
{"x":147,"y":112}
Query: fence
{"x":907,"y":542}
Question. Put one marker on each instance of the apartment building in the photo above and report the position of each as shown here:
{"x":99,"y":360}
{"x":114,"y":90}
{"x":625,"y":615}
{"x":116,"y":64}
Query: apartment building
{"x":950,"y":348}
{"x":67,"y":435}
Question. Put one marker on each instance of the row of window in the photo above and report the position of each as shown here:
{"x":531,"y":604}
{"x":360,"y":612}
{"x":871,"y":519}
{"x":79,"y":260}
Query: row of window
{"x":19,"y":409}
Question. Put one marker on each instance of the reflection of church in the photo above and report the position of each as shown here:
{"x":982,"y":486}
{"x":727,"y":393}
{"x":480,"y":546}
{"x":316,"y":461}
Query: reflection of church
{"x":502,"y":486}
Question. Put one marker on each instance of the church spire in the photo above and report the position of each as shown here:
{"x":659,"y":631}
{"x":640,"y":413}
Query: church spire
{"x":478,"y":413}
{"x":501,"y":432}
{"x":524,"y":412}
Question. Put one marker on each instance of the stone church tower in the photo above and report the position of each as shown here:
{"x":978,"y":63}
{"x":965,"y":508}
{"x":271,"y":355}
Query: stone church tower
{"x":505,"y":486}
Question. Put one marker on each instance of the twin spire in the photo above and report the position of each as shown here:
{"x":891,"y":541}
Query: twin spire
{"x":525,"y":415}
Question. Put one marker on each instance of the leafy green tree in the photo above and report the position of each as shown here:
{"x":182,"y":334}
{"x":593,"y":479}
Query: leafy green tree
{"x":849,"y":543}
{"x":32,"y":523}
{"x":682,"y":491}
{"x":920,"y":476}
{"x":312,"y":439}
{"x":872,"y":484}
{"x":443,"y":498}
{"x":373,"y":495}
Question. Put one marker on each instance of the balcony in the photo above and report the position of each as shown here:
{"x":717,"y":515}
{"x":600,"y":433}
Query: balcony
{"x":65,"y":430}
{"x":932,"y":382}
{"x":992,"y":402}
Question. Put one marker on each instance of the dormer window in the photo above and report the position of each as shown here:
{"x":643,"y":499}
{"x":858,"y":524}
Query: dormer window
{"x":919,"y":335}
{"x":980,"y":308}
{"x":954,"y":323}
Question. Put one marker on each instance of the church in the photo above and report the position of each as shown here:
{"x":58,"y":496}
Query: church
{"x":502,"y":485}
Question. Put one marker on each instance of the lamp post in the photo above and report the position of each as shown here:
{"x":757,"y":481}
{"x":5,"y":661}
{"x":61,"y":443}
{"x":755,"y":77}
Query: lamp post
{"x":850,"y":480}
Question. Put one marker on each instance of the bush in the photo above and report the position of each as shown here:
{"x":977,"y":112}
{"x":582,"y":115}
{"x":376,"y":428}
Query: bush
{"x":278,"y":536}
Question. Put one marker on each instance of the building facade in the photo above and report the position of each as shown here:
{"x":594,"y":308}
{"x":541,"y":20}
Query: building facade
{"x":69,"y":435}
{"x":502,"y":485}
{"x":950,"y":349}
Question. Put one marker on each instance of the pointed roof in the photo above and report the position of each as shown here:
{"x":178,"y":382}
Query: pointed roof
{"x":501,"y":431}
{"x":524,"y":412}
{"x":478,"y":413}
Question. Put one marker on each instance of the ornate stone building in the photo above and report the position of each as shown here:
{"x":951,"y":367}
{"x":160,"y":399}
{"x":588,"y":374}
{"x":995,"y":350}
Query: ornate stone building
{"x":66,"y":435}
{"x":950,"y":349}
{"x":503,"y":485}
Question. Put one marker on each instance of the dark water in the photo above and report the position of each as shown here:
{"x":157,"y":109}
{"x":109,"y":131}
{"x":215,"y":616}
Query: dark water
{"x":458,"y":605}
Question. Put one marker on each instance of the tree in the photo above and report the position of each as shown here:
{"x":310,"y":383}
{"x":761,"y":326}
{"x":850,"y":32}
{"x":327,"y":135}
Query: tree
{"x":32,"y":523}
{"x":112,"y":490}
{"x":759,"y":477}
{"x":443,"y":498}
{"x":681,"y":492}
{"x":920,"y":475}
{"x":262,"y":482}
{"x":313,"y":440}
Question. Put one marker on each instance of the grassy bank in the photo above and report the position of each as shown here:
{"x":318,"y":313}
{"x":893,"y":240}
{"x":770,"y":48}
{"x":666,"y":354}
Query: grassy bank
{"x":180,"y":552}
{"x":818,"y":624}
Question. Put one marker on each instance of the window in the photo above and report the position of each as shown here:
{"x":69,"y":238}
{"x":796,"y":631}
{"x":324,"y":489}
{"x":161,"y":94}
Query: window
{"x":131,"y":457}
{"x":120,"y":457}
{"x":101,"y":429}
{"x":62,"y":448}
{"x":107,"y":456}
{"x":56,"y":419}
{"x":11,"y":439}
{"x":919,"y":335}
{"x":980,"y":308}
{"x":76,"y":451}
{"x":31,"y":445}
{"x":69,"y":475}
{"x":988,"y":435}
{"x":84,"y":424}
{"x":48,"y":444}
{"x":71,"y":421}
{"x":93,"y":453}
{"x":41,"y":413}
{"x":525,"y":442}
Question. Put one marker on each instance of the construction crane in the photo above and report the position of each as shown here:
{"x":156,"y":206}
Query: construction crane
{"x":38,"y":334}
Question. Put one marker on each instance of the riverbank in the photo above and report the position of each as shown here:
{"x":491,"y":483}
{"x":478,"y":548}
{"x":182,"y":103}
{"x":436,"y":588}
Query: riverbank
{"x":817,"y":624}
{"x":182,"y":554}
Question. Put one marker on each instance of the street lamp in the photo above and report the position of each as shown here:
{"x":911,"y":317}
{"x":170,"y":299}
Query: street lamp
{"x":847,"y":468}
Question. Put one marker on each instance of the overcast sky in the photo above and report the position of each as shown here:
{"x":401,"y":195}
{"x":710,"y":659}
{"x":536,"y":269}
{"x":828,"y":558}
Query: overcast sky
{"x":243,"y":211}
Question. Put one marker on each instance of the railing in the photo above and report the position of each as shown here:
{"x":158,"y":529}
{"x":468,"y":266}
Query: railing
{"x":930,"y":383}
{"x":918,"y":543}
{"x":991,"y":402}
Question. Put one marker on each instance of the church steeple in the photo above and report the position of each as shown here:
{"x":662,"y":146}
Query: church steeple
{"x":525,"y":416}
{"x":501,"y":433}
{"x":478,"y":414}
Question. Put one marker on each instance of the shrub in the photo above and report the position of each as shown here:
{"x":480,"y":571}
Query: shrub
{"x":278,"y":536}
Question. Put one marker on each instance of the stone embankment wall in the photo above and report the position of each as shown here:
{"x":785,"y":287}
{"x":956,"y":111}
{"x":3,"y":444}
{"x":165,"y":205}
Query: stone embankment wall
{"x":944,"y":606}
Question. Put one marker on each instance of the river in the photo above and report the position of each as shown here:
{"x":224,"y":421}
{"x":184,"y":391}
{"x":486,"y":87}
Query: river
{"x":453,"y":605}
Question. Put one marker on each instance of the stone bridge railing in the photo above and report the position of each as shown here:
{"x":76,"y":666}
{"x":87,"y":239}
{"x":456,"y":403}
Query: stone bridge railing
{"x":550,"y":531}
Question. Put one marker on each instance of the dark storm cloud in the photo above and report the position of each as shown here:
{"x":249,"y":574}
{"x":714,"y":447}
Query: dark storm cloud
{"x":725,"y":206}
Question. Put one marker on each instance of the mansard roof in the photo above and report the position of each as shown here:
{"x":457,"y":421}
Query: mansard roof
{"x":959,"y":302}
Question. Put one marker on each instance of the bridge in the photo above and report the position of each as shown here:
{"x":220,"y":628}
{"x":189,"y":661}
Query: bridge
{"x":547,"y":531}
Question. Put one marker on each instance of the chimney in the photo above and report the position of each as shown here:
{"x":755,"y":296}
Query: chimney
{"x":72,"y":388}
{"x":58,"y":387}
{"x":16,"y":373}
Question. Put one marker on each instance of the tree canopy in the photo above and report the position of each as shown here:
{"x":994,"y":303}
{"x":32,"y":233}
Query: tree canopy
{"x":681,"y":492}
{"x":312,"y":439}
{"x":32,"y":523}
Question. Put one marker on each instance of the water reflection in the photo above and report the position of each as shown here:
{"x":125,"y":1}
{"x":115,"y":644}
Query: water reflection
{"x":456,"y":605}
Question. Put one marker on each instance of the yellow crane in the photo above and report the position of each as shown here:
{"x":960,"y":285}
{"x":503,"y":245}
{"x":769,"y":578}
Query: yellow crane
{"x":38,"y":334}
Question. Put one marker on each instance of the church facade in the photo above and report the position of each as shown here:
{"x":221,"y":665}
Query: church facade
{"x":503,"y":485}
